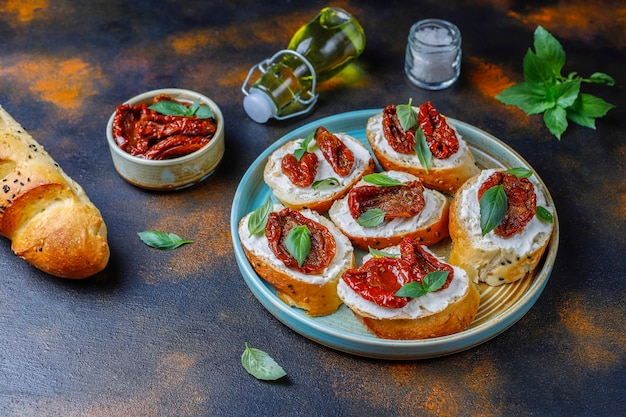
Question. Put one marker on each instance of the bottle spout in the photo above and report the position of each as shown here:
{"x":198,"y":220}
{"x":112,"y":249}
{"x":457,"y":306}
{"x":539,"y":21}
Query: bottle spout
{"x":259,"y":106}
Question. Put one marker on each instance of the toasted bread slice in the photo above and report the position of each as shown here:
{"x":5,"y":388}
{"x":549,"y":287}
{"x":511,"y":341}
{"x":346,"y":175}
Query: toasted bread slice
{"x":491,"y":258}
{"x":316,"y":198}
{"x":317,"y":294}
{"x":445,"y":175}
{"x":435,"y":314}
{"x":428,"y":227}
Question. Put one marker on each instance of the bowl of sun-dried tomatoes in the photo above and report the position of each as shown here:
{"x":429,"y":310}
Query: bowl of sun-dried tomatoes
{"x":166,"y":139}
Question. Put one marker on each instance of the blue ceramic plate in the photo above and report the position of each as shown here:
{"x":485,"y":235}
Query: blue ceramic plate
{"x":500,"y":307}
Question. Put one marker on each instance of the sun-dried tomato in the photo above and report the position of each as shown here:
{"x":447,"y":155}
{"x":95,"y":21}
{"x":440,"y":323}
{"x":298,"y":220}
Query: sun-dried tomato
{"x":423,"y":262}
{"x":396,"y":201}
{"x":338,"y":155}
{"x":440,"y":137}
{"x":137,"y":130}
{"x":323,"y":244}
{"x":378,"y":279}
{"x":521,"y":198}
{"x":301,"y":173}
{"x":400,"y":140}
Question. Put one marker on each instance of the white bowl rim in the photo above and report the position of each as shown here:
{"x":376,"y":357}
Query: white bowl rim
{"x":181,"y":94}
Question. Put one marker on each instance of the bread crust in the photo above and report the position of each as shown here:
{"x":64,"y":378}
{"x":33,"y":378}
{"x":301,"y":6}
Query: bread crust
{"x":445,"y":179}
{"x":426,"y":234}
{"x":48,"y":217}
{"x":316,"y":298}
{"x":492,"y":264}
{"x":304,"y":198}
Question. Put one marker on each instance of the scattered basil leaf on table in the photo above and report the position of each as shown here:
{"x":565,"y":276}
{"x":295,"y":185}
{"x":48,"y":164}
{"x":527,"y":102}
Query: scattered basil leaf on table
{"x":493,"y":206}
{"x":545,"y":90}
{"x":431,"y":283}
{"x":258,"y":218}
{"x":173,"y":108}
{"x":162,"y":240}
{"x":371,"y":218}
{"x":261,"y":365}
{"x":382,"y":180}
{"x":298,"y":243}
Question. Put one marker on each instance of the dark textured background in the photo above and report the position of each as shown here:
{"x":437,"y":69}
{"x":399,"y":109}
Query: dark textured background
{"x":161,"y":333}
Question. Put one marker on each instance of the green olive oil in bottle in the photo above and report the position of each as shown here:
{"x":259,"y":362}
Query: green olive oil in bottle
{"x":317,"y":52}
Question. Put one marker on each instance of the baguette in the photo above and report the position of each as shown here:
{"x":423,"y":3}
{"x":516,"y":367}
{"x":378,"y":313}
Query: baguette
{"x":314,"y":293}
{"x":435,"y":314}
{"x":490,"y":258}
{"x":48,"y":217}
{"x":445,"y":175}
{"x":319,"y":198}
{"x":428,"y":227}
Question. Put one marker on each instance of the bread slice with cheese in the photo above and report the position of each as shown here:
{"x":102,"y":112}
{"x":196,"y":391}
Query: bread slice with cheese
{"x":435,"y":314}
{"x":320,"y":195}
{"x":428,"y":227}
{"x":445,"y":175}
{"x":314,"y":293}
{"x":490,"y":258}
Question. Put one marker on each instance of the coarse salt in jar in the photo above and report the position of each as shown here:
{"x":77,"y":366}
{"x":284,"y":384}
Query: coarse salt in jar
{"x":433,"y":54}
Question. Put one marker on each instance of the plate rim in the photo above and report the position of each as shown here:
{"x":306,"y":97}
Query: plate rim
{"x":374,"y":347}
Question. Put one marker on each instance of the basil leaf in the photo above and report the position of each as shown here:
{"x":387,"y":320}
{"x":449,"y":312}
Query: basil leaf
{"x":525,"y":97}
{"x":549,"y":50}
{"x":162,"y":240}
{"x":204,"y":112}
{"x":435,"y":280}
{"x":170,"y":108}
{"x":261,"y":365}
{"x":493,"y":206}
{"x":407,"y":116}
{"x":591,"y":106}
{"x":258,"y":218}
{"x":601,"y":78}
{"x":555,"y":120}
{"x":326,"y":183}
{"x":422,"y":150}
{"x":298,"y":243}
{"x":412,"y":289}
{"x":544,"y":215}
{"x":382,"y":254}
{"x":520,"y":172}
{"x":566,"y":92}
{"x":382,"y":180}
{"x":371,"y":218}
{"x":304,"y":145}
{"x":537,"y":71}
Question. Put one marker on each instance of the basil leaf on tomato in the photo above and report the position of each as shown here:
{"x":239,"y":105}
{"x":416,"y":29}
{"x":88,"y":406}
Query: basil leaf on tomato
{"x":382,"y":180}
{"x":298,"y":243}
{"x":520,"y":172}
{"x":407,"y":116}
{"x":493,"y":206}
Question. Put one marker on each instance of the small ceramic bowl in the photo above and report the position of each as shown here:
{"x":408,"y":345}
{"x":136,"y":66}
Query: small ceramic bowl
{"x":175,"y":173}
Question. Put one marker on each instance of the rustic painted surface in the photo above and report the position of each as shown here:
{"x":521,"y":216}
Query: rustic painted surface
{"x":161,"y":333}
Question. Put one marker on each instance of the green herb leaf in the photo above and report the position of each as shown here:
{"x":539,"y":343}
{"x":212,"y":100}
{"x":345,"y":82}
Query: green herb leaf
{"x":382,"y":254}
{"x":407,"y":116}
{"x":326,"y":183}
{"x":422,"y":150}
{"x":298,"y":243}
{"x":258,"y":218}
{"x":371,"y":218}
{"x":162,"y":240}
{"x":493,"y":206}
{"x":544,"y":215}
{"x":555,"y":120}
{"x":537,"y":72}
{"x":261,"y":365}
{"x":382,"y":180}
{"x":304,"y":146}
{"x":549,"y":50}
{"x":432,"y":282}
{"x":600,"y":78}
{"x":524,"y":97}
{"x":520,"y":172}
{"x":174,"y":108}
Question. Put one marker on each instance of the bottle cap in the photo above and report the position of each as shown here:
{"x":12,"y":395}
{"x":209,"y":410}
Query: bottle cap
{"x":258,"y":106}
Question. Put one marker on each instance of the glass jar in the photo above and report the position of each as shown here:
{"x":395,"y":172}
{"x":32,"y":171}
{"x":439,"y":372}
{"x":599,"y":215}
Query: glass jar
{"x":433,"y":54}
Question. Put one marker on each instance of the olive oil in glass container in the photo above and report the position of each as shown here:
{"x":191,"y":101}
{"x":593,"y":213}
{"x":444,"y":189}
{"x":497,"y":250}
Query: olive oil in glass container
{"x":285,"y":84}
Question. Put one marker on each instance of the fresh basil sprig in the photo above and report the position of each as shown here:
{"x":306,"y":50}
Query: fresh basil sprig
{"x":382,"y":180}
{"x":258,"y":218}
{"x":298,"y":243}
{"x":493,"y":206}
{"x":546,"y":91}
{"x":544,"y":215}
{"x":325,"y":183}
{"x":371,"y":218}
{"x":162,"y":240}
{"x":174,"y":108}
{"x":376,"y":253}
{"x":261,"y":365}
{"x":431,"y":283}
{"x":304,"y":146}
